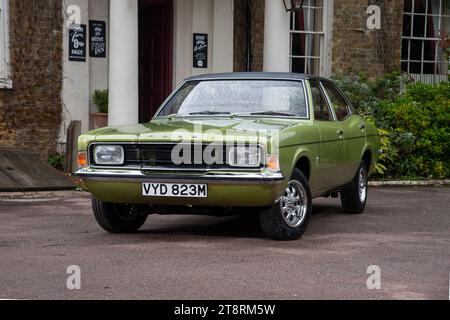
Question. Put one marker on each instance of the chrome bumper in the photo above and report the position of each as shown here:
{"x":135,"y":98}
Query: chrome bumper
{"x":197,"y":177}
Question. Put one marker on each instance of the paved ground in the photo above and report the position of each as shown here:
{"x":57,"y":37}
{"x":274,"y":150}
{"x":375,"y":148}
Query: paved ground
{"x":406,"y":232}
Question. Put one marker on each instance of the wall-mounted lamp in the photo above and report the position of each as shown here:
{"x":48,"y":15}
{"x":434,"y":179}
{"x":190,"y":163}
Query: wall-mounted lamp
{"x":293,"y":5}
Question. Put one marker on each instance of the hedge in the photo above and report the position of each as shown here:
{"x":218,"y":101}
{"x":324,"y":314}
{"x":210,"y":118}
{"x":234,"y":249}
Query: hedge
{"x":413,"y":120}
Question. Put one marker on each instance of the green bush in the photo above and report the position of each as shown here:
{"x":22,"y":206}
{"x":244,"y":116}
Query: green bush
{"x":100,"y":99}
{"x":414,"y":122}
{"x":56,"y":161}
{"x":419,"y":121}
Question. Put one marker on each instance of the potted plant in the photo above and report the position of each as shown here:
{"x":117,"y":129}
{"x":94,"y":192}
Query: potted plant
{"x":100,"y":119}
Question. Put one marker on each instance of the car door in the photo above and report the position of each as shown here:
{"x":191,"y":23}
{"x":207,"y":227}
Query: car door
{"x":331,"y":154}
{"x":353,"y":130}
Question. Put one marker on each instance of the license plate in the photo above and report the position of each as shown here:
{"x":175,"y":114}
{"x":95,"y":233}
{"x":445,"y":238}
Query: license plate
{"x":175,"y":190}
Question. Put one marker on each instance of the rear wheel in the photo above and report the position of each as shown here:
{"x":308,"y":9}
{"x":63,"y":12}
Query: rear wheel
{"x":289,"y":219}
{"x":118,"y":218}
{"x":354,"y":196}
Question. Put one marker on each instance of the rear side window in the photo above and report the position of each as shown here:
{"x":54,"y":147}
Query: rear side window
{"x":337,"y":101}
{"x":321,"y":109}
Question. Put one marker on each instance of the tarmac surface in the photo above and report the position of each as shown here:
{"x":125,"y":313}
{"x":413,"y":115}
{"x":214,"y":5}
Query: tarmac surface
{"x":404,"y":231}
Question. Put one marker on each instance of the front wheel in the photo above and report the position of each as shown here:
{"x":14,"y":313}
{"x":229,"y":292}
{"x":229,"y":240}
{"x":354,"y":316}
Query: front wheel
{"x":354,"y":196}
{"x":289,"y":219}
{"x":117,"y":218}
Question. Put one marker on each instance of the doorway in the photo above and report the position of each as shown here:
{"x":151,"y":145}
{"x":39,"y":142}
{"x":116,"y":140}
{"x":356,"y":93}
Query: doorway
{"x":155,"y":55}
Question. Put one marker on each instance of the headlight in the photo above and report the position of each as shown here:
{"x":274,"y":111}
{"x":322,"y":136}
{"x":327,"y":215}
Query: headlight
{"x":109,"y":155}
{"x":245,"y":156}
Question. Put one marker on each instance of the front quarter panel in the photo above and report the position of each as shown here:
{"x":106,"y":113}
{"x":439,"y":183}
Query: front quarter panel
{"x":301,"y":140}
{"x":84,"y":141}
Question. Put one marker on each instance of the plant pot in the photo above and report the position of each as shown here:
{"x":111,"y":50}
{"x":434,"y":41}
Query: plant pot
{"x":99,"y":120}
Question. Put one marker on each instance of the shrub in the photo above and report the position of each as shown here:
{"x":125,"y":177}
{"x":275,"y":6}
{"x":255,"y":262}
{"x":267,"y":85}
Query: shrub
{"x":56,"y":161}
{"x":100,"y":99}
{"x":414,"y":122}
{"x":420,"y":124}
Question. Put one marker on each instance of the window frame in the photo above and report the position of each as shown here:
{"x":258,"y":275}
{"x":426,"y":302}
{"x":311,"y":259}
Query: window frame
{"x":325,"y":34}
{"x":330,"y":110}
{"x":5,"y":70}
{"x":348,"y":105}
{"x":410,"y":38}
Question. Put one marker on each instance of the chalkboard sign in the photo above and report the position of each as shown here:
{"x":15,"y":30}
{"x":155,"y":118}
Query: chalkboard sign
{"x":97,"y":39}
{"x":77,"y":43}
{"x":200,"y":53}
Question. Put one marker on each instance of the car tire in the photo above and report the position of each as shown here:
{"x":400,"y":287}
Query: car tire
{"x":117,"y":218}
{"x":354,"y":196}
{"x":289,"y":218}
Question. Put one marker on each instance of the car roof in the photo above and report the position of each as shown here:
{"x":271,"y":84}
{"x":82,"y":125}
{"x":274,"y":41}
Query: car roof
{"x":255,"y":75}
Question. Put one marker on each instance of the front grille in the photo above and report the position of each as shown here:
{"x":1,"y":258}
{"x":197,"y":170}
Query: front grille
{"x":160,"y":155}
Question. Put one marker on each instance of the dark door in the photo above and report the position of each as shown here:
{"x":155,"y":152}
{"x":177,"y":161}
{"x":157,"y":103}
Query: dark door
{"x":155,"y":57}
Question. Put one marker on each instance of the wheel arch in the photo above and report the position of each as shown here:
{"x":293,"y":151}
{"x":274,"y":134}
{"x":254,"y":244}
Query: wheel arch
{"x":302,"y":161}
{"x":369,"y":157}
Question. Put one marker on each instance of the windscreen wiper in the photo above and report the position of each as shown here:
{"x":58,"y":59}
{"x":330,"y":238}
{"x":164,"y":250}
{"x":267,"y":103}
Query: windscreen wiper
{"x":207,"y":113}
{"x":273,"y":113}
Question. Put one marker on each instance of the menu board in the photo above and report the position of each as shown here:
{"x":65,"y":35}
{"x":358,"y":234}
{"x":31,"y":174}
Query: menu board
{"x":200,"y":53}
{"x":77,"y":42}
{"x":97,"y":39}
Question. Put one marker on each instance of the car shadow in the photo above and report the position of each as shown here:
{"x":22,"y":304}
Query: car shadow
{"x":234,"y":226}
{"x":322,"y":209}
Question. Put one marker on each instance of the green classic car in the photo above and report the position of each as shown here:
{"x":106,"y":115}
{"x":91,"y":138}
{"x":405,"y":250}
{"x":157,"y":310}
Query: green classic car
{"x":238,"y":143}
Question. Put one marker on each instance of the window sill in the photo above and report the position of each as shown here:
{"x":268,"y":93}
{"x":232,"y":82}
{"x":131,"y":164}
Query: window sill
{"x":6,"y":83}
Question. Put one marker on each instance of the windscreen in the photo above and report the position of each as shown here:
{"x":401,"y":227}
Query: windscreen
{"x":239,"y":97}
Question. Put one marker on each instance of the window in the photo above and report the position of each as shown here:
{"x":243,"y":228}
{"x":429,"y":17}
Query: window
{"x":308,"y":37}
{"x":5,"y":82}
{"x":224,"y":97}
{"x":423,"y":22}
{"x":321,"y":110}
{"x":337,"y":101}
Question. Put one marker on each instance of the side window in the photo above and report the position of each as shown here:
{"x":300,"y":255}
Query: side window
{"x":321,"y":110}
{"x":337,"y":101}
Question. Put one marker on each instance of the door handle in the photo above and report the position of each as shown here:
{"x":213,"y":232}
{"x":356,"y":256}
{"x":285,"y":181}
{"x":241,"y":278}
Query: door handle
{"x":362,"y":126}
{"x":340,"y":133}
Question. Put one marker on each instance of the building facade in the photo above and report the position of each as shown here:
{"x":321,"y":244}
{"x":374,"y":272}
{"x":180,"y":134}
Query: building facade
{"x":30,"y":74}
{"x":54,"y":57}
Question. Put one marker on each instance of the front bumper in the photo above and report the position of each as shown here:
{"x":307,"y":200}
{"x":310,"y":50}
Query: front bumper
{"x":236,"y":189}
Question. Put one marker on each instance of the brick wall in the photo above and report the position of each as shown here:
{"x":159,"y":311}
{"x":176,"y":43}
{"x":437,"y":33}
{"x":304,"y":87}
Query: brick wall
{"x":257,"y":34}
{"x":374,"y":52}
{"x":30,"y":113}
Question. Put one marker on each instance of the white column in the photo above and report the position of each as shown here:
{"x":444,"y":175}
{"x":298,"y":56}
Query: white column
{"x":202,"y":22}
{"x":182,"y":41}
{"x":276,"y":37}
{"x":123,"y":63}
{"x":222,"y":57}
{"x":75,"y":93}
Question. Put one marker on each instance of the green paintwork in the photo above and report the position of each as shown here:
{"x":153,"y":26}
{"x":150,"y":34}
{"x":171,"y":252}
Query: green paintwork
{"x":333,"y":160}
{"x":223,"y":194}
